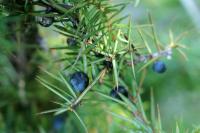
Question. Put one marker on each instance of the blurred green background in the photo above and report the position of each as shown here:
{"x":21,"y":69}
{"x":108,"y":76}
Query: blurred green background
{"x":177,"y":92}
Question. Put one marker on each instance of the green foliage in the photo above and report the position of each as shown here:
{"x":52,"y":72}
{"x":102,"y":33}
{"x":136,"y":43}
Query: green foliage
{"x":97,"y":27}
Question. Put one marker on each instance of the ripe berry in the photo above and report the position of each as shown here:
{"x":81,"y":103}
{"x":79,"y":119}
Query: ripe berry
{"x":159,"y":67}
{"x":115,"y":92}
{"x":58,"y":122}
{"x":71,"y":41}
{"x":79,"y":81}
{"x":46,"y":21}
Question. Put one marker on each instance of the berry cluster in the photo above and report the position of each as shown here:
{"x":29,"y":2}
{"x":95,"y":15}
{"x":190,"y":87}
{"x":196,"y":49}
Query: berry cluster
{"x":79,"y":82}
{"x":52,"y":12}
{"x":108,"y":56}
{"x":48,"y":21}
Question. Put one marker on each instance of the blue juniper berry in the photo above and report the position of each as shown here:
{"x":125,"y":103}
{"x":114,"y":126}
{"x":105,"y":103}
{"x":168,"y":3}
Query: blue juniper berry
{"x":159,"y":67}
{"x":79,"y":81}
{"x":58,"y":122}
{"x":120,"y":89}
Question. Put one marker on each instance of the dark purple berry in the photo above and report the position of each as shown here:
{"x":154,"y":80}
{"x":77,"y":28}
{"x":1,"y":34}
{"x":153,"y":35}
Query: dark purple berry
{"x":115,"y":92}
{"x":79,"y":81}
{"x":159,"y":67}
{"x":46,"y":21}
